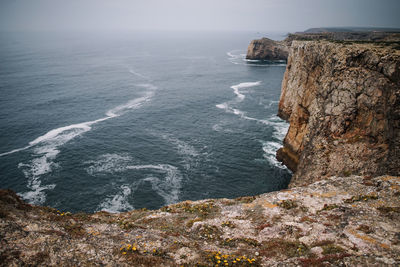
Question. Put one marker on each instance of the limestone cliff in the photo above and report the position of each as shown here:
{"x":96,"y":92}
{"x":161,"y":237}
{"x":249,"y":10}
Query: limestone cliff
{"x":267,"y":49}
{"x":342,"y":101}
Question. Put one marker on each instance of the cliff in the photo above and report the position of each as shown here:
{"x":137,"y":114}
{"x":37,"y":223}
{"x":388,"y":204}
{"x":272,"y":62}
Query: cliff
{"x":267,"y":49}
{"x":341,"y":221}
{"x":342,"y":101}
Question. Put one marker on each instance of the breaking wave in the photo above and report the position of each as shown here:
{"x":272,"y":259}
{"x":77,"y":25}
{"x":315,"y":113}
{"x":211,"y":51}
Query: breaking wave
{"x":280,"y":128}
{"x":46,"y":147}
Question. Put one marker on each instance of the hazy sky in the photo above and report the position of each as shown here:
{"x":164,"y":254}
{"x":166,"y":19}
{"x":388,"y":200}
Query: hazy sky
{"x":254,"y":15}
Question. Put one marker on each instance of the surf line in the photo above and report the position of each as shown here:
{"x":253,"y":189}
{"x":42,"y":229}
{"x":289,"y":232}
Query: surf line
{"x":239,"y":98}
{"x":60,"y":136}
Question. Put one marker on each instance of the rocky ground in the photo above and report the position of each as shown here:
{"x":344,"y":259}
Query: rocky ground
{"x":339,"y":221}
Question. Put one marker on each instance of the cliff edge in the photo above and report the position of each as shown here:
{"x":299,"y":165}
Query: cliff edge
{"x":342,"y":100}
{"x":341,"y":221}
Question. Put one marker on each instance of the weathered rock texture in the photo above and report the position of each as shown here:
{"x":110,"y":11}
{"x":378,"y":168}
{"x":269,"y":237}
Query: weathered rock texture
{"x":351,"y":221}
{"x":267,"y":49}
{"x":342,"y":101}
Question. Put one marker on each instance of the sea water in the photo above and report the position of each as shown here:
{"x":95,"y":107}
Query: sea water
{"x":124,"y":120}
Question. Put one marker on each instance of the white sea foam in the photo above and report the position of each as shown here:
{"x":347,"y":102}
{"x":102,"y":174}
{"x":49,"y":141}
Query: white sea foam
{"x":138,"y":74}
{"x":14,"y":151}
{"x":233,"y":54}
{"x":187,"y":151}
{"x":168,"y":187}
{"x":270,"y":149}
{"x":239,"y":86}
{"x":133,"y":104}
{"x":184,"y":148}
{"x":165,"y":180}
{"x":239,"y":98}
{"x":108,"y":163}
{"x":118,"y":202}
{"x":280,"y":128}
{"x":219,"y":127}
{"x":46,"y":147}
{"x":237,"y":58}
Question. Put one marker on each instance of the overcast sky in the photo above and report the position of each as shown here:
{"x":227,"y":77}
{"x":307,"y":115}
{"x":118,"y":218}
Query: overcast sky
{"x":253,"y":15}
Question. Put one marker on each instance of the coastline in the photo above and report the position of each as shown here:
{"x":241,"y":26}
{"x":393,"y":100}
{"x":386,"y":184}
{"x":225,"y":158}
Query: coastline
{"x":336,"y":218}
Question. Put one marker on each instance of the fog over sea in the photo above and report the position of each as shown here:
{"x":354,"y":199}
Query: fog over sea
{"x":124,"y":120}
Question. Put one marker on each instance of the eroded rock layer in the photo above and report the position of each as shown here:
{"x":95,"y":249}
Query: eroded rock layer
{"x":342,"y":101}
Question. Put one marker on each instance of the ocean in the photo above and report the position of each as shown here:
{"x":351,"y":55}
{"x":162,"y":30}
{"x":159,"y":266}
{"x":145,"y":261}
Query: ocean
{"x":127,"y":120}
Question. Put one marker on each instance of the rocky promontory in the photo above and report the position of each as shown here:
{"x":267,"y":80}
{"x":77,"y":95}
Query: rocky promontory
{"x":267,"y":49}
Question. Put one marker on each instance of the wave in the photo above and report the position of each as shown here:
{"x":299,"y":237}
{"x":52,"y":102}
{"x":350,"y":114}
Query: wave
{"x":218,"y":127}
{"x":138,"y":74}
{"x":168,"y":187}
{"x":270,"y":149}
{"x":239,"y":97}
{"x":133,"y":104}
{"x":227,"y":106}
{"x":165,"y":180}
{"x":239,"y":86}
{"x":108,"y":163}
{"x":280,"y":128}
{"x":188,"y":152}
{"x":46,"y":147}
{"x":118,"y":202}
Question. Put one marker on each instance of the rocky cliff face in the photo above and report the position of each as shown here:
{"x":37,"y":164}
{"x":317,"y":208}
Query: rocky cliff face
{"x":267,"y":49}
{"x":343,"y":104}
